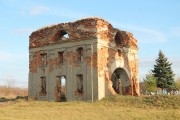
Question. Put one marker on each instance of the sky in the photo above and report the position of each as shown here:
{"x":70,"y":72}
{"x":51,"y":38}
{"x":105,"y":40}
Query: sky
{"x":154,"y":23}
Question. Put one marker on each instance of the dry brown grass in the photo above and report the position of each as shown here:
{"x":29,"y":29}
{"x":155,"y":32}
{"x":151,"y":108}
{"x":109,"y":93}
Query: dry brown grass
{"x":12,"y":92}
{"x":113,"y":108}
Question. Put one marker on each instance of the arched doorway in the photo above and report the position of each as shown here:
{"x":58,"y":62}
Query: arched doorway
{"x":121,"y":82}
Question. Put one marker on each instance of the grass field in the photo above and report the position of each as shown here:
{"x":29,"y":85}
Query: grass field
{"x":111,"y":108}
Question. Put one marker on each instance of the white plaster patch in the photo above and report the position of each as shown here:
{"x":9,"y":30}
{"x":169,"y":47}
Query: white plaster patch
{"x":116,"y":64}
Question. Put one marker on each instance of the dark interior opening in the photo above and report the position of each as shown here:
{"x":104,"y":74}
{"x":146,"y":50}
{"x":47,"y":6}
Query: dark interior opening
{"x":121,"y":82}
{"x":118,"y":39}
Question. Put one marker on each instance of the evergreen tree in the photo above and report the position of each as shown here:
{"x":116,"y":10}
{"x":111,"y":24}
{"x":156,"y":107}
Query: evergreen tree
{"x":150,"y":82}
{"x":163,"y":72}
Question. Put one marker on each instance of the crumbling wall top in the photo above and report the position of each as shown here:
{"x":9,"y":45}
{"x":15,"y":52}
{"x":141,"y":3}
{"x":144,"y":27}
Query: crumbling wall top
{"x":81,"y":21}
{"x":84,"y":29}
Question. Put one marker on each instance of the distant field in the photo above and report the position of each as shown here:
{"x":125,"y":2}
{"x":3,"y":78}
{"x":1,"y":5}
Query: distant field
{"x":111,"y":108}
{"x":12,"y":92}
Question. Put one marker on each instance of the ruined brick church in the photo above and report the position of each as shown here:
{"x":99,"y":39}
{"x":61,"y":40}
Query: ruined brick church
{"x":84,"y":60}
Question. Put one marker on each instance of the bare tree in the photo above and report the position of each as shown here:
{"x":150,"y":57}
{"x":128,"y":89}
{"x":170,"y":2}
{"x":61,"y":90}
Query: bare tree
{"x":9,"y":83}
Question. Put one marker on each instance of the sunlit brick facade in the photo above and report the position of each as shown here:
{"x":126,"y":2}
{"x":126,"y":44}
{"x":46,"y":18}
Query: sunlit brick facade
{"x":83,"y":60}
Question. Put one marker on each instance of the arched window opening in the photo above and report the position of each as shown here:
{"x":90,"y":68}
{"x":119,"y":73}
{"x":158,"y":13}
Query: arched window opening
{"x":62,"y":35}
{"x":118,"y":39}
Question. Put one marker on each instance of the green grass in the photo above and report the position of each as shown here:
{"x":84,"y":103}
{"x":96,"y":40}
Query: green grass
{"x":159,"y":101}
{"x":110,"y":108}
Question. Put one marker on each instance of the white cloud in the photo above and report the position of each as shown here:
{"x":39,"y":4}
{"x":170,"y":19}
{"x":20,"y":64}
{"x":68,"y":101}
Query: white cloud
{"x":23,"y":31}
{"x":63,"y":12}
{"x":67,"y":13}
{"x":147,"y":64}
{"x":23,"y":83}
{"x":4,"y":56}
{"x":13,"y":64}
{"x":3,"y":43}
{"x":38,"y":10}
{"x":143,"y":35}
{"x":175,"y":66}
{"x":10,"y":57}
{"x":175,"y":32}
{"x":147,"y":59}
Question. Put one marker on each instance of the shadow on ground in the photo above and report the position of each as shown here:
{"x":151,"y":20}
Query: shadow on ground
{"x":3,"y":99}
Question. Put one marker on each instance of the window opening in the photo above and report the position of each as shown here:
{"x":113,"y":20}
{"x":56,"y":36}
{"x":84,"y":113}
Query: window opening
{"x":61,"y":88}
{"x":61,"y":57}
{"x":79,"y":84}
{"x":80,"y":54}
{"x":118,"y":39}
{"x":43,"y":86}
{"x":44,"y":58}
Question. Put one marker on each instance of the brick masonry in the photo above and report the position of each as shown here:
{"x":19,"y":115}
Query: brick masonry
{"x":105,"y":50}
